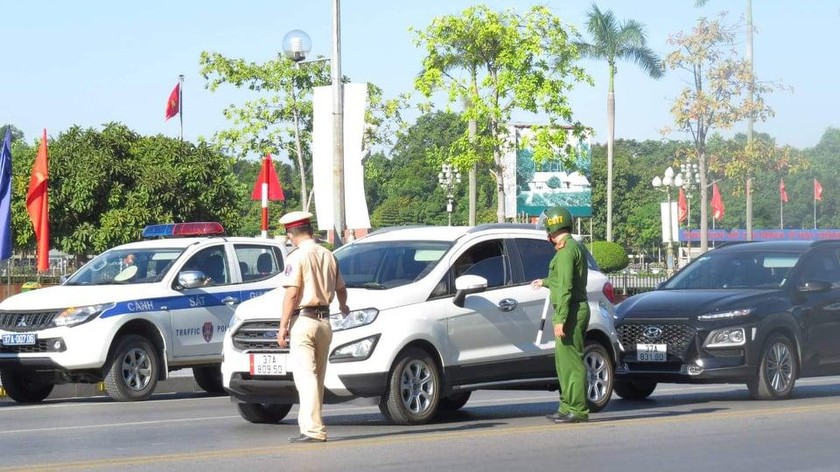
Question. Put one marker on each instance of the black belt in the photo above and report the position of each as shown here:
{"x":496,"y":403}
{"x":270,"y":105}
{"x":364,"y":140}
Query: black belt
{"x":314,"y":312}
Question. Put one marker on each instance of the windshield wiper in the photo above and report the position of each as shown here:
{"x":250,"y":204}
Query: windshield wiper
{"x":374,"y":285}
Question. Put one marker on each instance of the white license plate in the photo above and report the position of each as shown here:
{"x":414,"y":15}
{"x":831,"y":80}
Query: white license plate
{"x":268,"y":364}
{"x":651,"y":352}
{"x":20,"y":339}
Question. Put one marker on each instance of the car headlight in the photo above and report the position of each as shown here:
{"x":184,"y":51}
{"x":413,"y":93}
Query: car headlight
{"x":726,"y":315}
{"x":354,"y":319}
{"x":726,"y":337}
{"x":355,"y":351}
{"x":76,"y":315}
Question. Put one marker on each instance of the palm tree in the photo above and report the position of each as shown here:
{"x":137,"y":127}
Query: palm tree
{"x":612,"y":41}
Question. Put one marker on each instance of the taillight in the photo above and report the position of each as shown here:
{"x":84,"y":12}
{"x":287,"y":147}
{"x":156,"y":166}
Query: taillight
{"x":609,"y":292}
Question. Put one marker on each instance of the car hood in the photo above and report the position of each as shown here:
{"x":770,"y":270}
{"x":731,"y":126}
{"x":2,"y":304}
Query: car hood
{"x":63,"y":296}
{"x":689,"y":303}
{"x":270,"y":303}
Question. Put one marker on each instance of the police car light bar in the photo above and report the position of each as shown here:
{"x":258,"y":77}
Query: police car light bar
{"x":184,"y":230}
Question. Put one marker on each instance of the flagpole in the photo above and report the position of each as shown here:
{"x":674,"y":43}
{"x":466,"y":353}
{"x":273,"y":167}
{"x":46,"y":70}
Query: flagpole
{"x":181,"y":103}
{"x":781,"y":212}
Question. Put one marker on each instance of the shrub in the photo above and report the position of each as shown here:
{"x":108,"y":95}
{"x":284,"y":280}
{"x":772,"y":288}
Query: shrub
{"x":611,"y":257}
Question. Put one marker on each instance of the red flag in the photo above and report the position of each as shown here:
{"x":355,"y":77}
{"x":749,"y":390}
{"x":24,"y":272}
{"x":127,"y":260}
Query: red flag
{"x":717,"y":203}
{"x":782,"y":191}
{"x":268,"y":177}
{"x":38,"y":207}
{"x":173,"y":105}
{"x":682,"y":206}
{"x":817,"y":190}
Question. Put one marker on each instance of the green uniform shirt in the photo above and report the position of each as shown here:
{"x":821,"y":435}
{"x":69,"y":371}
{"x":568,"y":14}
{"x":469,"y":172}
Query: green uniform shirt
{"x":567,"y":277}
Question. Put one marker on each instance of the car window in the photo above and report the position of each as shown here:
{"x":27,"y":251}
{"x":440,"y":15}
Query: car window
{"x":487,"y":259}
{"x":822,"y":265}
{"x":735,"y":269}
{"x":257,"y":262}
{"x":390,"y":264}
{"x":212,"y":262}
{"x":123,"y":266}
{"x":536,"y":256}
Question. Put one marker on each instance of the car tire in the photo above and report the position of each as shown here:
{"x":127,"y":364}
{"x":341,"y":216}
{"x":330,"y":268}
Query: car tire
{"x":24,"y":388}
{"x":413,"y":391}
{"x":454,"y":402}
{"x":209,"y":378}
{"x":132,"y":370}
{"x":634,"y":389}
{"x":600,"y":373}
{"x":263,"y":413}
{"x":777,"y":370}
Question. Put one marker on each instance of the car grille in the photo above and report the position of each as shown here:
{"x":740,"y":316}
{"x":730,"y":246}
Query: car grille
{"x":677,"y":336}
{"x":257,"y":336}
{"x":21,"y":321}
{"x":40,"y":346}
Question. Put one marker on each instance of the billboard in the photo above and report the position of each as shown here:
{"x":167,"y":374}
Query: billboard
{"x":563,"y":179}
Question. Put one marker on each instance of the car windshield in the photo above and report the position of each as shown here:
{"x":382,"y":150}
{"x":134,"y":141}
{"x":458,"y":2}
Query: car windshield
{"x":124,"y":266}
{"x":749,"y":269}
{"x":388,"y":264}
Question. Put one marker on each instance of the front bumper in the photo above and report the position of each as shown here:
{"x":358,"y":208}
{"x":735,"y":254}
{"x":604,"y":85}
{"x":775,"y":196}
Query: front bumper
{"x":703,"y":370}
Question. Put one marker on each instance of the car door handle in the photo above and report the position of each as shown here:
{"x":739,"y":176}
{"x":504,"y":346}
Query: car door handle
{"x":230,"y":300}
{"x":507,"y":304}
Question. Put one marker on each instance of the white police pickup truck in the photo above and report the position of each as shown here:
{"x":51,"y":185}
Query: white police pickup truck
{"x":135,"y":313}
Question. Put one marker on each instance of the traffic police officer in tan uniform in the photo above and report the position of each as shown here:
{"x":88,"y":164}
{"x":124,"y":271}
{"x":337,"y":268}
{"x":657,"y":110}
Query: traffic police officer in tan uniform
{"x":566,"y":281}
{"x":311,"y":280}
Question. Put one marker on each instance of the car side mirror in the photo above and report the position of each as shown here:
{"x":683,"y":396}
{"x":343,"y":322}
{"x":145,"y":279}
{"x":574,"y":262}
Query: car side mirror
{"x":191,"y":279}
{"x":810,"y":286}
{"x":466,"y":285}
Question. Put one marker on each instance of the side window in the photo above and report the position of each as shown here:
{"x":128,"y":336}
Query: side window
{"x":486,"y":259}
{"x":536,"y":256}
{"x":822,"y":265}
{"x":258,"y":262}
{"x":213,"y":263}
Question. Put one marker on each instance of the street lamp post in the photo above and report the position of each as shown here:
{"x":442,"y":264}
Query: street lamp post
{"x":691,"y":179}
{"x":448,"y":177}
{"x":296,"y":46}
{"x":664,"y":184}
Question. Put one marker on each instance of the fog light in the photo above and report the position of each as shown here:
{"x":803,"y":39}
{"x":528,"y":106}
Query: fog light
{"x":695,"y":370}
{"x":355,"y":351}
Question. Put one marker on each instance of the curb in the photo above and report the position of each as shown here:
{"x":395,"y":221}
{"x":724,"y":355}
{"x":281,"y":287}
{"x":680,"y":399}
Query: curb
{"x":174,"y":384}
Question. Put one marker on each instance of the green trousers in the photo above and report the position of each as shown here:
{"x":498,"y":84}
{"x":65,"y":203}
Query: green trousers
{"x":568,"y":359}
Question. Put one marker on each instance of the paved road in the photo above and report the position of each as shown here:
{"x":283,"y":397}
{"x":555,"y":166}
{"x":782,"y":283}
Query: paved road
{"x":697,"y":428}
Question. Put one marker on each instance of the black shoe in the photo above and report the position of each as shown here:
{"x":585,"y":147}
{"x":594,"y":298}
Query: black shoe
{"x":570,"y":418}
{"x":555,"y":416}
{"x":306,"y":439}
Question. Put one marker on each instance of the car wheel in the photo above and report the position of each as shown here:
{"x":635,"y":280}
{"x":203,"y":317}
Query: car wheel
{"x":777,"y":370}
{"x":454,"y":402}
{"x":634,"y":389}
{"x":599,"y":376}
{"x":24,"y":388}
{"x":132,"y":370}
{"x":209,"y":378}
{"x":413,"y":392}
{"x":263,"y":412}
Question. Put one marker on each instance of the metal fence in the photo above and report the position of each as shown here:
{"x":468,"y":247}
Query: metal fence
{"x":627,"y":283}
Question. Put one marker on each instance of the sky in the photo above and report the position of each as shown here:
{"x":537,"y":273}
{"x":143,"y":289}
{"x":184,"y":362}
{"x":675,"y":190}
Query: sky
{"x":91,"y":62}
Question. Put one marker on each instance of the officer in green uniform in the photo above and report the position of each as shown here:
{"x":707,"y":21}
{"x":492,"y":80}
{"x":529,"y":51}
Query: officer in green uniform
{"x":567,"y":274}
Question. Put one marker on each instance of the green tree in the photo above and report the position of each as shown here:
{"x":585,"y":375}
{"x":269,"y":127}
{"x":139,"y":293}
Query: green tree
{"x":721,"y":94}
{"x":105,"y":186}
{"x":525,"y":62}
{"x":611,"y":41}
{"x":279,"y":116}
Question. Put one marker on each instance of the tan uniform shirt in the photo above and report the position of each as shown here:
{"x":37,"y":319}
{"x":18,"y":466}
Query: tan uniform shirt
{"x":313,"y":269}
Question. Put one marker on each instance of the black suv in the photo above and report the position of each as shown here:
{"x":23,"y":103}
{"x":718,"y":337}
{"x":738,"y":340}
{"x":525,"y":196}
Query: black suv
{"x":761,"y":313}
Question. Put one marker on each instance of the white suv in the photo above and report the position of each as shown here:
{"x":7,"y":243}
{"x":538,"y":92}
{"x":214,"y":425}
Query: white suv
{"x":136,"y":312}
{"x":437,"y":313}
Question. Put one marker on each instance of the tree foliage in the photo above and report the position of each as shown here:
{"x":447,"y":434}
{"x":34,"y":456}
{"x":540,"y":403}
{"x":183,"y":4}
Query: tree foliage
{"x":105,"y":186}
{"x":721,"y":93}
{"x":498,"y":63}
